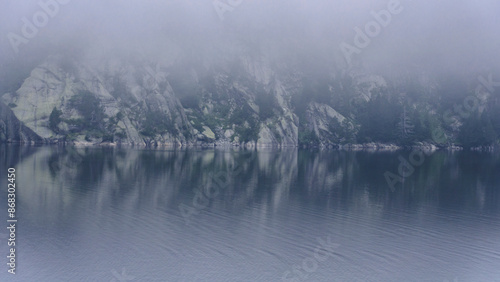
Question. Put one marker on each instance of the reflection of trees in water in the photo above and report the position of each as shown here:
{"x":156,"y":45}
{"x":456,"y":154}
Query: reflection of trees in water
{"x":165,"y":178}
{"x":11,"y":155}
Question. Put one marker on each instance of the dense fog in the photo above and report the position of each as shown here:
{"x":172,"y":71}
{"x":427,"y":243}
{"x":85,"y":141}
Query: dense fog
{"x":435,"y":36}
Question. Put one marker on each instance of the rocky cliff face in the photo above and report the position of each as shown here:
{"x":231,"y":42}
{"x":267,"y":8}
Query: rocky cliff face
{"x":185,"y":102}
{"x":12,"y":130}
{"x":69,"y":101}
{"x":134,"y":103}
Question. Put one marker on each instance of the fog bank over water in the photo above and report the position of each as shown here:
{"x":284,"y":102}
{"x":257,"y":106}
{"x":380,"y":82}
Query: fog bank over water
{"x":434,"y":36}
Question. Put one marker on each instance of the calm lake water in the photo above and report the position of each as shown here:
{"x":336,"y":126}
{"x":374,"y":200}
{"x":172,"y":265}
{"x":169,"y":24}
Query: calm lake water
{"x":103,"y":214}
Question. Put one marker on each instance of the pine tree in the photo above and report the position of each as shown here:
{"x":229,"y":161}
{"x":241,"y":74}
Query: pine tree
{"x":405,"y":125}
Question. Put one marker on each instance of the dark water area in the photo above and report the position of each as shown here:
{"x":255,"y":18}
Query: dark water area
{"x":124,"y":214}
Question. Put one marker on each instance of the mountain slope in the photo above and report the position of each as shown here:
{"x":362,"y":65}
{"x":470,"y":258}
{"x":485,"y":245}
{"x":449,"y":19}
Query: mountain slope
{"x":247,"y":100}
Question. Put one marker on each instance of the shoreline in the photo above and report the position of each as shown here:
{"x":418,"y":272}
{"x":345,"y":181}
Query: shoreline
{"x":368,"y":147}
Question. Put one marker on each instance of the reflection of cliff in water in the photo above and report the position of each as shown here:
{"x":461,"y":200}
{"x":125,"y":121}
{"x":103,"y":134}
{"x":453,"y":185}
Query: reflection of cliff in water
{"x":60,"y":177}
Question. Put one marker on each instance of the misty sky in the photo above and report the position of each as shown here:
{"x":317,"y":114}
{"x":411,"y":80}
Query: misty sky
{"x":445,"y":35}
